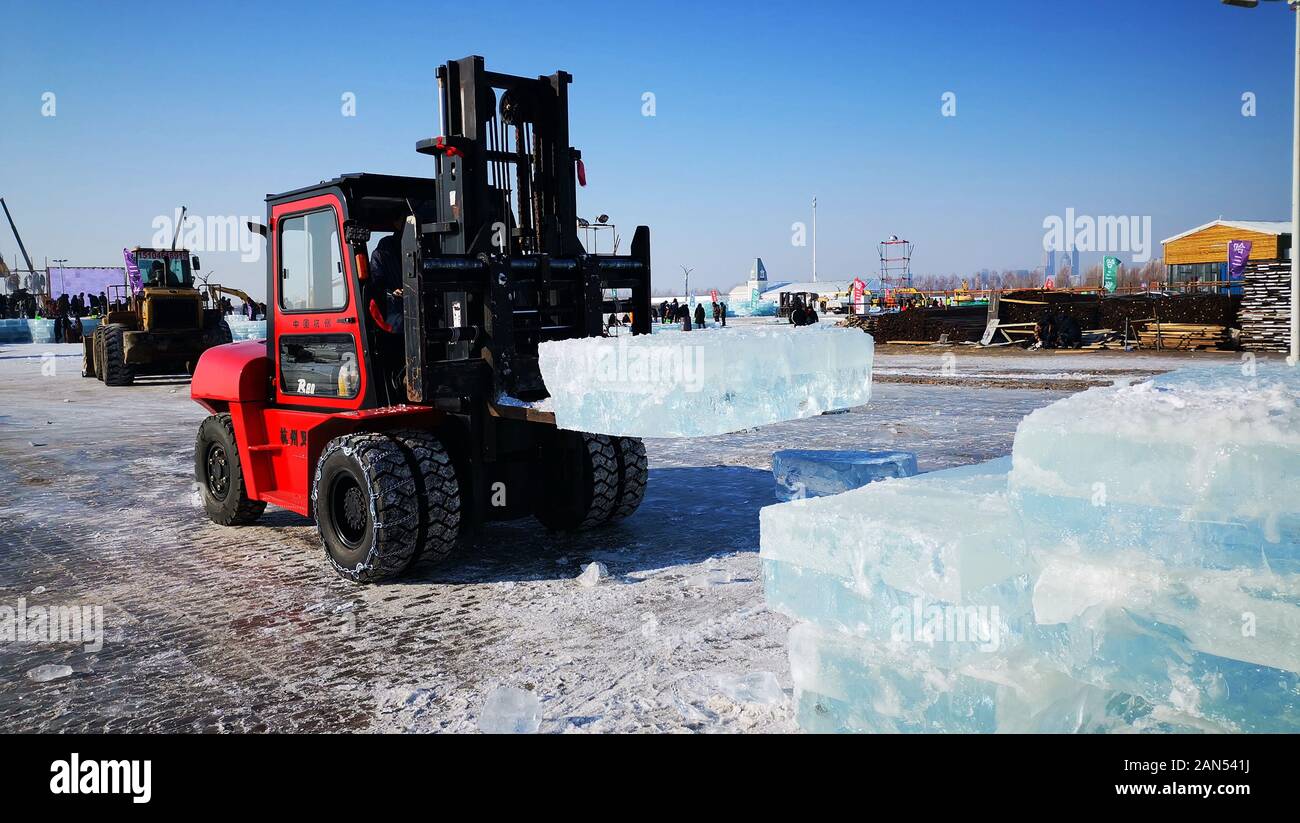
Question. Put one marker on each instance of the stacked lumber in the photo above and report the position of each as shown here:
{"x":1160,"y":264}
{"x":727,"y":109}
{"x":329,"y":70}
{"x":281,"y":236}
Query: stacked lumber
{"x":1266,"y":307}
{"x":1156,"y":335}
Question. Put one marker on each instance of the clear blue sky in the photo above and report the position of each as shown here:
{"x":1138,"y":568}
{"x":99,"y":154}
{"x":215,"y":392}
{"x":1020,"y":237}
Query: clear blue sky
{"x":1112,"y":107}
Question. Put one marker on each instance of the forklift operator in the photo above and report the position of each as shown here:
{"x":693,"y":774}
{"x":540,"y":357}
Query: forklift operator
{"x":386,"y":273}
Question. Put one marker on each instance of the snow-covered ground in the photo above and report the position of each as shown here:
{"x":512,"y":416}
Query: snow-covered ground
{"x":210,"y":628}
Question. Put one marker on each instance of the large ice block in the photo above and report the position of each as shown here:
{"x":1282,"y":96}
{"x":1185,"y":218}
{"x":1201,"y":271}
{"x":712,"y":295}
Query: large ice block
{"x":846,"y":684}
{"x":931,"y":562}
{"x":1118,"y":648}
{"x":1199,"y":467}
{"x":704,"y":383}
{"x":803,"y":473}
{"x":1243,"y":615}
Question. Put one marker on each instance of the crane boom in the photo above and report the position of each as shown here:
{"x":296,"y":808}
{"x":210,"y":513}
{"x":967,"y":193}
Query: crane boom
{"x":17,"y":237}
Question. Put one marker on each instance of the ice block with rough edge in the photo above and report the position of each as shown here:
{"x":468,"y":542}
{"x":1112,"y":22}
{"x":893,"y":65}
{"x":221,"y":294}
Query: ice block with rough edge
{"x":1199,"y":467}
{"x":846,"y":684}
{"x":941,"y":534}
{"x":1243,"y":615}
{"x":1116,"y":648}
{"x":819,"y":473}
{"x":704,"y":383}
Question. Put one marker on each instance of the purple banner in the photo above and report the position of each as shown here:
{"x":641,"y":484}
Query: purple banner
{"x":84,"y":280}
{"x":1238,"y":254}
{"x":132,"y":270}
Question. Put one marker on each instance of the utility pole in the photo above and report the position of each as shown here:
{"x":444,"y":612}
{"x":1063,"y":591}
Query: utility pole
{"x":814,"y":239}
{"x":686,"y":270}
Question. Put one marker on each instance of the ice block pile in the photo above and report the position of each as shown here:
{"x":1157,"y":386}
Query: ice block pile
{"x":26,"y":331}
{"x":1134,"y":566}
{"x":814,"y":473}
{"x":246,"y":329}
{"x":704,"y":383}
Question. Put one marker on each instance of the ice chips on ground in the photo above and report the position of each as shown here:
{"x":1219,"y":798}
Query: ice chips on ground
{"x":509,"y":710}
{"x":810,"y":473}
{"x":704,"y":383}
{"x":1199,"y":467}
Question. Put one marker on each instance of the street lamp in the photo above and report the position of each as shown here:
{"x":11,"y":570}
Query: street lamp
{"x":1294,"y":358}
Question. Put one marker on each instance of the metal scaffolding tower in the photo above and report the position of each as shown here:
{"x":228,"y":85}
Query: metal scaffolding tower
{"x":895,"y":263}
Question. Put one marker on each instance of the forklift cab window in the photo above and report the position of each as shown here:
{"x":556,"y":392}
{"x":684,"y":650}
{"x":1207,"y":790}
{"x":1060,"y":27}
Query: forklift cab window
{"x":311,"y":263}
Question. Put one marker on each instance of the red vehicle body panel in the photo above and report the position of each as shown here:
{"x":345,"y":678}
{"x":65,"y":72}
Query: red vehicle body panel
{"x":234,"y":373}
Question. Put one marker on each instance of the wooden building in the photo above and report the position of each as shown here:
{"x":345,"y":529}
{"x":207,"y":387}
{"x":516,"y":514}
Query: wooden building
{"x":1201,"y":254}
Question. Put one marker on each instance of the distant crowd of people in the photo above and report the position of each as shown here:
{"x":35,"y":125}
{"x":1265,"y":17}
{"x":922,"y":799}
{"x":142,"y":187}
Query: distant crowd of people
{"x":675,"y":312}
{"x":67,"y":310}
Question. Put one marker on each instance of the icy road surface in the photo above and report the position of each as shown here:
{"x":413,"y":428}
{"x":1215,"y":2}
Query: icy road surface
{"x":222,"y":629}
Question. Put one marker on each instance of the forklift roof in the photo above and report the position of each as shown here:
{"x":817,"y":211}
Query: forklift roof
{"x":359,"y":185}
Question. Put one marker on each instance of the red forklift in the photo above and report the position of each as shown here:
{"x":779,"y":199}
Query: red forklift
{"x":399,"y":419}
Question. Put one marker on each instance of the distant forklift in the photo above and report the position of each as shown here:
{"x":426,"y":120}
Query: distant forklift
{"x":396,"y":412}
{"x":158,"y":325}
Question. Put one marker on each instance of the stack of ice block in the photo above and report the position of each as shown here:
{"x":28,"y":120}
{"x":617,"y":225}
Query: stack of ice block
{"x":705,"y":382}
{"x":246,"y":329}
{"x":814,"y":473}
{"x":42,"y":331}
{"x":1142,"y":554}
{"x":20,"y":330}
{"x":14,"y":330}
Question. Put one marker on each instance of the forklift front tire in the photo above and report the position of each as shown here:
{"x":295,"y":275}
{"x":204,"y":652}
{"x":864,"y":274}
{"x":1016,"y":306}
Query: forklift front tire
{"x":583,"y":493}
{"x":220,"y":474}
{"x":367,"y":507}
{"x":438,"y":491}
{"x":633,"y":473}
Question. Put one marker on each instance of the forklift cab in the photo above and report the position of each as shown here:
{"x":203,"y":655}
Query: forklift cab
{"x":326,"y":333}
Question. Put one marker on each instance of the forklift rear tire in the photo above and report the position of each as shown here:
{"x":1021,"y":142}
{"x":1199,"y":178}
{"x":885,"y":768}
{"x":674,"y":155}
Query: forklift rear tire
{"x":368,"y":507}
{"x":220,"y":474}
{"x":583,"y":493}
{"x":439,"y":493}
{"x":117,"y":372}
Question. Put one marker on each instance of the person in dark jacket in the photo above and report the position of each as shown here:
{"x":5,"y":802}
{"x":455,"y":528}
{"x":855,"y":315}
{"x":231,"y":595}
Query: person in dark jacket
{"x":684,"y":317}
{"x":1046,"y":330}
{"x":722,"y":312}
{"x":386,"y":273}
{"x":699,"y":315}
{"x":1068,"y":333}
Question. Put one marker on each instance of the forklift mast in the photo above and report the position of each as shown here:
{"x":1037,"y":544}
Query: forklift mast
{"x":494,"y":266}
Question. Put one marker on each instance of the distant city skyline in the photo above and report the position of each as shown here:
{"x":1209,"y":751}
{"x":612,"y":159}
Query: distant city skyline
{"x":961,"y":127}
